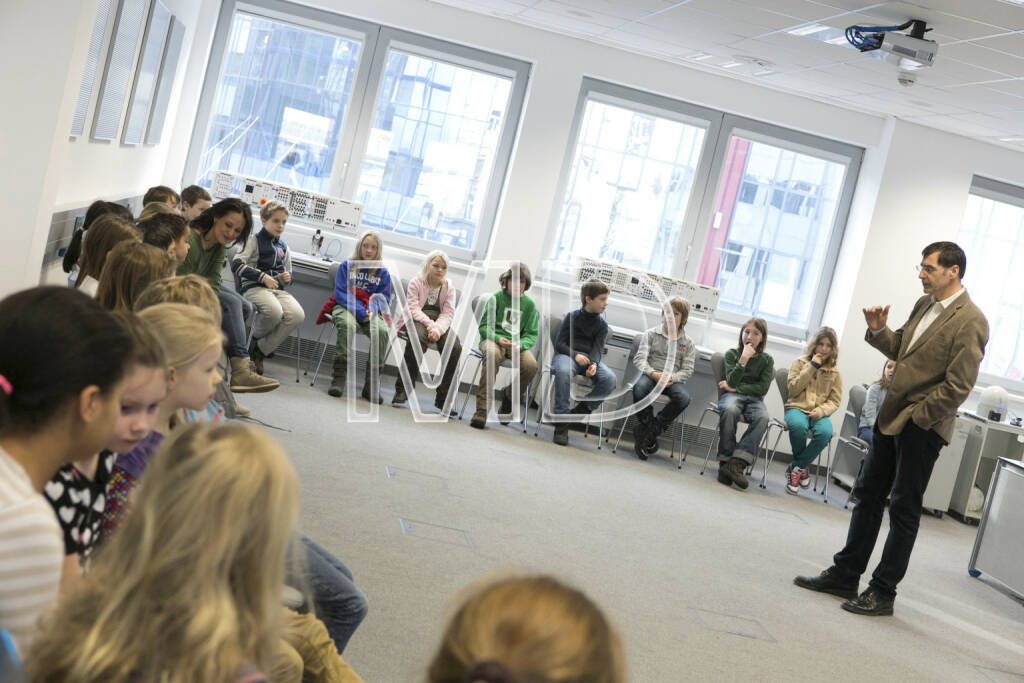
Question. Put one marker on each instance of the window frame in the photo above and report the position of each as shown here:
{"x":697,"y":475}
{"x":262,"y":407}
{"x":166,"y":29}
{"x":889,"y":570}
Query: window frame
{"x":696,"y":226}
{"x":998,"y":191}
{"x":376,"y":41}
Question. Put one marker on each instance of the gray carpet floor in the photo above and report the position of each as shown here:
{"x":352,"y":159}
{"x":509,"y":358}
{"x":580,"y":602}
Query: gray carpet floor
{"x":696,"y":576}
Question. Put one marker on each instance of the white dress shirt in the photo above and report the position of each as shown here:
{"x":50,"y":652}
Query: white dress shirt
{"x":932,"y":314}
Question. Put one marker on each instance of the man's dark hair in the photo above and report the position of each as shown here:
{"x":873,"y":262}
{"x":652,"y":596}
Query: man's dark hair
{"x":950,"y":254}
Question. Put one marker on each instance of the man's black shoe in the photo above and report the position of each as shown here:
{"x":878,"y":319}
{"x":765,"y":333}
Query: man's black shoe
{"x":830,"y":581}
{"x":870,"y":603}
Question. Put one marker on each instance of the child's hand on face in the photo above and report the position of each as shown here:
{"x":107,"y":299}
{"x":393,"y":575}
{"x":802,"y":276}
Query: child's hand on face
{"x":818,"y":359}
{"x":748,"y":352}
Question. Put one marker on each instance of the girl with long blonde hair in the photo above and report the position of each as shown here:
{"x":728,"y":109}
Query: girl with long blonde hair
{"x":129,"y":269}
{"x":189,"y":588}
{"x":815,"y":388}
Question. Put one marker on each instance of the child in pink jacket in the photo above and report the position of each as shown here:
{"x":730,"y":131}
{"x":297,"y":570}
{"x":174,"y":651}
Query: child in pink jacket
{"x":430,"y":307}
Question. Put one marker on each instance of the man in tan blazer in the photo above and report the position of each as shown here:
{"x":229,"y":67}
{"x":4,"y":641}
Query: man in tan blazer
{"x":937,"y":353}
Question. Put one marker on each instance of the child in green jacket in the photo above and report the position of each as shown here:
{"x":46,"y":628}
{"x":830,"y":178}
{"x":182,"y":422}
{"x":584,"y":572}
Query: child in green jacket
{"x":504,"y":334}
{"x":748,"y":374}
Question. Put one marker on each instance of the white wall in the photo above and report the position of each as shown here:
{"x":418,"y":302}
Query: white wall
{"x":109,"y":170}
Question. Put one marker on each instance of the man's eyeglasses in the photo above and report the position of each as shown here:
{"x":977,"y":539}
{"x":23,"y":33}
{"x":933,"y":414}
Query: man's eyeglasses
{"x":928,"y":269}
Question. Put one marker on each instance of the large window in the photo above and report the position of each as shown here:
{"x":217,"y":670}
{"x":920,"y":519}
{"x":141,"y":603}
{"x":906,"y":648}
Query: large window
{"x":418,"y":130}
{"x":755,"y":210}
{"x":992,"y":236}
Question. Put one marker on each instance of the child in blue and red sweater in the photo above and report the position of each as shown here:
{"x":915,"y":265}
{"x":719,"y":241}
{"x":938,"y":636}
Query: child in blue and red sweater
{"x":362,"y":292}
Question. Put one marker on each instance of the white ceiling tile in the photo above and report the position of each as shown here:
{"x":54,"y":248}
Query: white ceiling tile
{"x":982,"y":98}
{"x":821,"y":53}
{"x":1012,"y":44}
{"x":959,"y":27}
{"x":644,"y":44}
{"x":801,"y":9}
{"x":1015,"y":87}
{"x":561,"y":24}
{"x":503,"y":8}
{"x":745,"y":13}
{"x":683,"y":17}
{"x":686,"y":41}
{"x":984,"y":57}
{"x":1002,"y":14}
{"x":782,"y":57}
{"x":953,"y":72}
{"x":623,"y":9}
{"x":547,"y":10}
{"x":849,"y":5}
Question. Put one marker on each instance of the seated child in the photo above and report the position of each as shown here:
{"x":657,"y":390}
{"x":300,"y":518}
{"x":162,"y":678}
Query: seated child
{"x":167,"y":231}
{"x":189,"y":589}
{"x":652,"y":361}
{"x":62,"y":365}
{"x":873,"y":401}
{"x":194,"y":200}
{"x":748,"y":375}
{"x":129,"y":269}
{"x":533,"y":628}
{"x":359,"y":303}
{"x":264,"y":269}
{"x":78,"y":490}
{"x":506,"y":334}
{"x":815,"y":388}
{"x":430,"y":307}
{"x":106,"y":233}
{"x":578,"y":350}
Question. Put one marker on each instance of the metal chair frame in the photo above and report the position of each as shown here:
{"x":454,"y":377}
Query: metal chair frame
{"x":630,"y":379}
{"x":854,"y":409}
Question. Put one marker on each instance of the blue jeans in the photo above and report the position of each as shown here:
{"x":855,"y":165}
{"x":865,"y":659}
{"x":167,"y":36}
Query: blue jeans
{"x":800,"y":424}
{"x":751,"y":410}
{"x":234,"y":312}
{"x":336,"y":599}
{"x":677,"y":394}
{"x":565,"y":369}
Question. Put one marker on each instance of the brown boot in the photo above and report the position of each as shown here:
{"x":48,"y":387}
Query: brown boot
{"x":245,"y":380}
{"x":731,"y":472}
{"x":479,"y":419}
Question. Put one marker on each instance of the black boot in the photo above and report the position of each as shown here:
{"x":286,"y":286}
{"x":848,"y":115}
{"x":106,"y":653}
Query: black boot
{"x":505,"y":409}
{"x":371,"y":388}
{"x":400,"y":395}
{"x":338,"y":380}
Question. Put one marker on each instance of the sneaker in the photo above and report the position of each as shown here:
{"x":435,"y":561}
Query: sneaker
{"x":805,"y":478}
{"x":793,"y":480}
{"x":400,"y":396}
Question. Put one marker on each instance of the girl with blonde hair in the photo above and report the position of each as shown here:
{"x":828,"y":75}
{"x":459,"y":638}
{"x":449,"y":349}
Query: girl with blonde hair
{"x":814,"y":389}
{"x":359,"y":303}
{"x":428,"y":315}
{"x":533,"y":628}
{"x":189,"y":589}
{"x":191,"y":341}
{"x":129,"y":269}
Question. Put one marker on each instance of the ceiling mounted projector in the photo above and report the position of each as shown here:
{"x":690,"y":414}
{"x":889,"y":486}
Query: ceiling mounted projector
{"x":909,"y":51}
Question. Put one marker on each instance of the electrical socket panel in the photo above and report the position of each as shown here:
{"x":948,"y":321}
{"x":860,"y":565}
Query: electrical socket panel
{"x":338,"y":215}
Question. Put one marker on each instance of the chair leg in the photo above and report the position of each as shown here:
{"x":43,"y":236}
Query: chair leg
{"x":316,"y":372}
{"x":600,"y":427}
{"x":828,"y":472}
{"x":298,"y":347}
{"x":621,"y":429}
{"x":469,"y":390}
{"x":769,"y":457}
{"x":700,"y":423}
{"x":526,"y":408}
{"x":860,"y":469}
{"x":312,"y":355}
